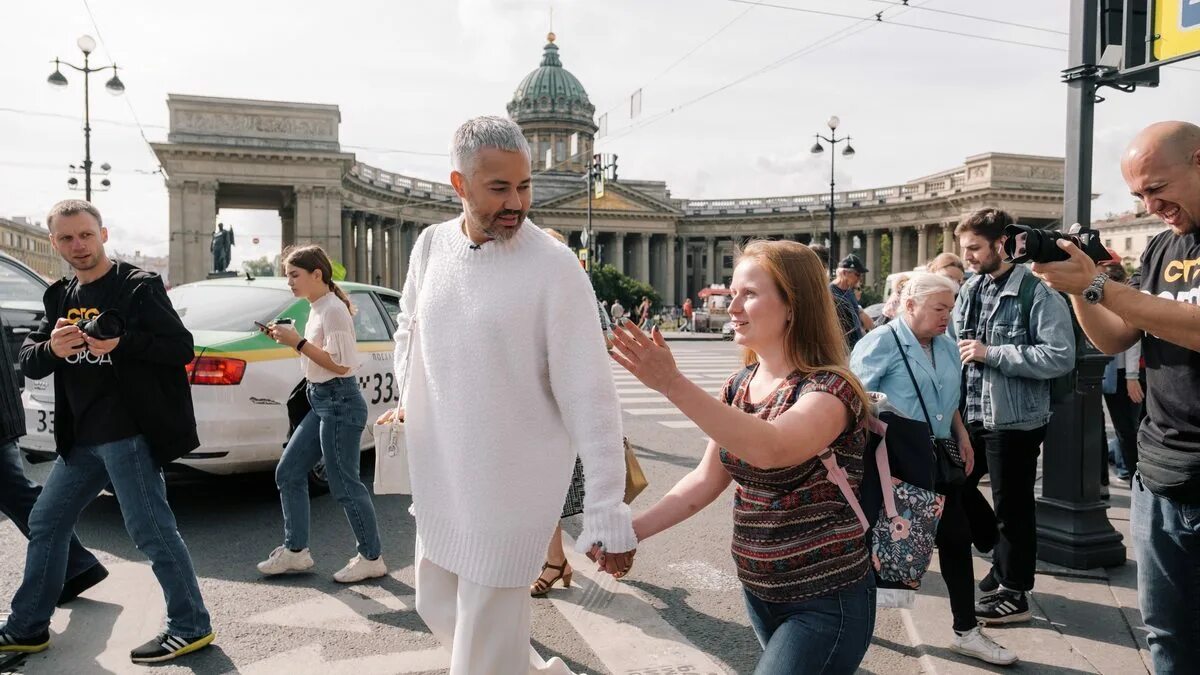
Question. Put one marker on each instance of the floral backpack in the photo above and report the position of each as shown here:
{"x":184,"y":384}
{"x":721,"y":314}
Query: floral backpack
{"x":902,"y":538}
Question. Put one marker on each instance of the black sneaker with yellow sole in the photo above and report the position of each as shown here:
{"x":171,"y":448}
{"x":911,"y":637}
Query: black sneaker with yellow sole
{"x":12,"y":644}
{"x":165,"y":647}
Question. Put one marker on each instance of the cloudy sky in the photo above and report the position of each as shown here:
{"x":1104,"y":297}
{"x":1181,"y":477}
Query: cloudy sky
{"x":405,"y":73}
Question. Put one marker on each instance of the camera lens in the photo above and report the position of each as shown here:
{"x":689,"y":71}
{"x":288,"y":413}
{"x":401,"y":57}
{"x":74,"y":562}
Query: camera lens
{"x":106,"y":326}
{"x":1029,"y":244}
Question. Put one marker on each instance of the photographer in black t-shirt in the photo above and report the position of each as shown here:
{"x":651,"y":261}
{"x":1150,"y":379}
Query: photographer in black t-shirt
{"x":1161,"y":168}
{"x":123,"y":409}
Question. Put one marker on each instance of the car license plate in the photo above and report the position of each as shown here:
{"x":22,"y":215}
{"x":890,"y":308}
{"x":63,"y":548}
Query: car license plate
{"x":39,"y":424}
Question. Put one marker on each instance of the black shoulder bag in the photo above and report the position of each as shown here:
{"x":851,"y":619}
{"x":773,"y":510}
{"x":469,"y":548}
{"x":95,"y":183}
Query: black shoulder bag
{"x":950,"y":468}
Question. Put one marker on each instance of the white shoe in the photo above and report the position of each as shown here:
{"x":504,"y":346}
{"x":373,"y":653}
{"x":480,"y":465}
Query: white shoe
{"x":359,"y":568}
{"x":283,"y":560}
{"x":982,"y":647}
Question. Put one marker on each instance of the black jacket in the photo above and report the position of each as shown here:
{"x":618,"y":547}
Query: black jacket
{"x":12,"y":413}
{"x":148,"y":362}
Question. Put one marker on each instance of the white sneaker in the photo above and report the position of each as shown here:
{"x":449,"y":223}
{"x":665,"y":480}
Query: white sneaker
{"x":982,"y":647}
{"x":359,"y":568}
{"x":283,"y":560}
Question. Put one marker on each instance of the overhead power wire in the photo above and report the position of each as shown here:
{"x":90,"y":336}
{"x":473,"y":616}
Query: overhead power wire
{"x":686,"y":56}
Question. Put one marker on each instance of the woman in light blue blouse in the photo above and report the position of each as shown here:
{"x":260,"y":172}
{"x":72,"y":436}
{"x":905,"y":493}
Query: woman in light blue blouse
{"x":918,"y":336}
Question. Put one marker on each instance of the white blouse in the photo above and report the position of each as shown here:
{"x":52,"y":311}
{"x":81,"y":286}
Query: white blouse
{"x":331,"y":328}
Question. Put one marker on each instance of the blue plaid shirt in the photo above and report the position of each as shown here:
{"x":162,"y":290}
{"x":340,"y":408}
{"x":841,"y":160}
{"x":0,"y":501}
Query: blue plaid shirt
{"x":987,"y":294}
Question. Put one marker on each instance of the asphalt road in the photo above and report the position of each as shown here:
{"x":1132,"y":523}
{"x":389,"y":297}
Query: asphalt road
{"x":680,"y":611}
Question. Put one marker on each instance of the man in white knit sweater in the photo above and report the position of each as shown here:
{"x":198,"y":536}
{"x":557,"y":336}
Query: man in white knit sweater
{"x":508,"y":378}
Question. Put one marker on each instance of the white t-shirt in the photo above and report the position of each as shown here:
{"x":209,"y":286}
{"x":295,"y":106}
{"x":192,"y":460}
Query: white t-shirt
{"x":331,"y":328}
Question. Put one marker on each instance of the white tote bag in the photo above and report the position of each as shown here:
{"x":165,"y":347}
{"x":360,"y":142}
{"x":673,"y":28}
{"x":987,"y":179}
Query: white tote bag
{"x":391,"y":460}
{"x":391,"y":447}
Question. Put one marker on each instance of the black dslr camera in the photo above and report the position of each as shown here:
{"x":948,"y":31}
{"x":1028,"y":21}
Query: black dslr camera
{"x":104,"y":326}
{"x":1029,"y":244}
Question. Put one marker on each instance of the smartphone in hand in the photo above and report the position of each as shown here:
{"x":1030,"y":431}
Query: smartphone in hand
{"x":262,"y":327}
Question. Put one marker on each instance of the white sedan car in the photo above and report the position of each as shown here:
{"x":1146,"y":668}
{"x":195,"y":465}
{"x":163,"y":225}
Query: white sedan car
{"x":241,"y":378}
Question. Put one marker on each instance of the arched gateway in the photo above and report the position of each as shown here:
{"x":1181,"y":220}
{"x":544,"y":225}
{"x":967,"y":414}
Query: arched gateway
{"x":235,"y":153}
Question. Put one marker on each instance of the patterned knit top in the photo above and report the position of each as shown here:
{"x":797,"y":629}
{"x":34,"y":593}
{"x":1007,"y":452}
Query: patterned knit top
{"x":794,"y":536}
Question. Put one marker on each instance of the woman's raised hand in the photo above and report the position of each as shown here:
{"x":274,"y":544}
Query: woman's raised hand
{"x":647,"y":357}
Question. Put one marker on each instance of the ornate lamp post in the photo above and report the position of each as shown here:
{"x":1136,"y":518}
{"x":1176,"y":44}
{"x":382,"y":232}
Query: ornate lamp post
{"x":87,"y":45}
{"x":848,"y":153}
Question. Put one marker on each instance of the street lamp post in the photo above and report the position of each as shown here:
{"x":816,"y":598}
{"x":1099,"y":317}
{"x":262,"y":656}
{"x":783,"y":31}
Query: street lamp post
{"x":114,"y":86}
{"x":848,"y":152}
{"x":596,"y":170}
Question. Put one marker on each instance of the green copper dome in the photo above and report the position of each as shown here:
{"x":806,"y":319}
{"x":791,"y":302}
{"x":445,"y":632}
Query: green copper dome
{"x":551,"y":94}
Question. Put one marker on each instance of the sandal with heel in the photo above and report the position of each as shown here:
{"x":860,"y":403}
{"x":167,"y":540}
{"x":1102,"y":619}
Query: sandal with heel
{"x":542,"y":586}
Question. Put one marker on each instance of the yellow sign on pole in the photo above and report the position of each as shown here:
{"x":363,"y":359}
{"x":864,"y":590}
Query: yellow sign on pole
{"x":1177,"y":28}
{"x":600,"y":189}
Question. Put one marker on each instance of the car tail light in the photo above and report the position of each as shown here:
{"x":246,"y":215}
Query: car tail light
{"x":216,"y":370}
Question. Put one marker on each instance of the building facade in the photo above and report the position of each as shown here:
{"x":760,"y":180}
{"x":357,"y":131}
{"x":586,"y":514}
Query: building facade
{"x":235,"y":153}
{"x":1128,"y":234}
{"x":29,"y":242}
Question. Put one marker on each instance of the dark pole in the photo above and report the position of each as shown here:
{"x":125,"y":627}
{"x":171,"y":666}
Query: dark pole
{"x":590,"y":262}
{"x":87,"y":132}
{"x":1072,"y":523}
{"x":833,"y":257}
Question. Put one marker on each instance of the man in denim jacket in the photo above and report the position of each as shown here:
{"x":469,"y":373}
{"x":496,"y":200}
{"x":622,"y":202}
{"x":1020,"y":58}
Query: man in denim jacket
{"x":1007,"y":368}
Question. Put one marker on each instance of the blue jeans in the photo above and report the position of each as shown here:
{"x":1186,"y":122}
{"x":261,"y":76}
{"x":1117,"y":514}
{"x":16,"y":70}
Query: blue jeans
{"x":827,"y":635}
{"x":142,"y":494}
{"x":333,"y":431}
{"x":18,"y":494}
{"x":1166,"y":539}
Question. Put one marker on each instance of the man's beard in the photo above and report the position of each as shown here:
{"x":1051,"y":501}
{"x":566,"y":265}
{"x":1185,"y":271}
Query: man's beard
{"x":990,"y":265}
{"x":498,"y":232}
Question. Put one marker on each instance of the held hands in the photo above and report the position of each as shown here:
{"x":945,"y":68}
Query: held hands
{"x":647,"y":357}
{"x":616,"y":564}
{"x":972,"y":350}
{"x":284,"y":333}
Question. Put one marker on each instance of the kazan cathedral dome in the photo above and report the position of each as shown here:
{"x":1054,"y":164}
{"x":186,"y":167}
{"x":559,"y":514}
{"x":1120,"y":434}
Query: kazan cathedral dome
{"x":551,"y":105}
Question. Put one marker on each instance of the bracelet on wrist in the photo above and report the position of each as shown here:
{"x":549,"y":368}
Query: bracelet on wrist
{"x":300,"y":345}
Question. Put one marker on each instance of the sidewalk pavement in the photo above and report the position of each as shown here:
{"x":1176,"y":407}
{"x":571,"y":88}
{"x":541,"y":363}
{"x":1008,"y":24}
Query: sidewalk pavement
{"x":1084,"y":621}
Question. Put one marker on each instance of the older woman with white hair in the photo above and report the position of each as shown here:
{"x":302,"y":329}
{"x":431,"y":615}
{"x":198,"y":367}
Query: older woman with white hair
{"x":917,"y":366}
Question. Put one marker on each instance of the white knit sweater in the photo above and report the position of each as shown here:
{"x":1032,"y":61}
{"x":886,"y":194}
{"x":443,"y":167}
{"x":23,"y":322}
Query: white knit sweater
{"x":510,"y":380}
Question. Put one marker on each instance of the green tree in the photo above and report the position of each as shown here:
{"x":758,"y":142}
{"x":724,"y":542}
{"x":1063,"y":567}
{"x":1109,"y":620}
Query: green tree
{"x":610,"y":284}
{"x":261,"y":267}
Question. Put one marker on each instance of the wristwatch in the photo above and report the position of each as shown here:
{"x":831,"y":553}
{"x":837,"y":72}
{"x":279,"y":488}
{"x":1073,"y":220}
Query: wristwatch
{"x":1094,"y":293}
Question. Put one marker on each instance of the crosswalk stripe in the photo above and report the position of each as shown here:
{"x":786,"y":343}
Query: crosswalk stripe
{"x":653,"y":411}
{"x":675,"y":424}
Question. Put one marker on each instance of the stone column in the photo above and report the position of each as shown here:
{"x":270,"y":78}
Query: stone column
{"x":710,"y":274}
{"x":361,"y":270}
{"x":332,"y":221}
{"x":304,"y":222}
{"x":872,"y":252}
{"x":922,"y":244}
{"x":200,"y":259}
{"x":618,"y":251}
{"x":643,"y":259}
{"x":348,"y":243}
{"x":897,"y":250}
{"x":378,"y":273}
{"x":400,"y":253}
{"x":177,"y":240}
{"x":669,"y":271}
{"x":949,"y":245}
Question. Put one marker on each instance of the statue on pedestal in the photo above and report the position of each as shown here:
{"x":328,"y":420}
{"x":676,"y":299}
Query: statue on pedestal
{"x":221,"y":247}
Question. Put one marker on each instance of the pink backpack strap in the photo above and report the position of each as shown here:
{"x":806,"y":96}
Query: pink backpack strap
{"x":839,"y":477}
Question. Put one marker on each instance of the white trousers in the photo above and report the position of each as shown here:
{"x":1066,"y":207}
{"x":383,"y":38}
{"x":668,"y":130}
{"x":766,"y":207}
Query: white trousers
{"x":486,"y":629}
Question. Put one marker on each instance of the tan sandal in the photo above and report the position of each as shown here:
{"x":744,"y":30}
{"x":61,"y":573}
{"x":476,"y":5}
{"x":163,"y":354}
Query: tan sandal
{"x":541,"y":587}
